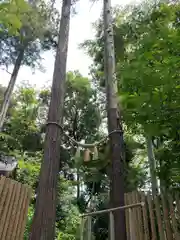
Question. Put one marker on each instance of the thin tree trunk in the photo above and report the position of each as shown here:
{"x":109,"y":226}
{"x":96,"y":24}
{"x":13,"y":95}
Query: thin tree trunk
{"x":116,"y":139}
{"x":152,"y":165}
{"x":43,"y":226}
{"x":10,"y":88}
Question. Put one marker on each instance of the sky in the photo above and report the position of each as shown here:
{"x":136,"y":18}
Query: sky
{"x":80,"y":30}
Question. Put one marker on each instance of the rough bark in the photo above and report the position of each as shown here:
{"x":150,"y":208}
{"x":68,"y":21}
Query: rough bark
{"x":116,"y":139}
{"x":10,"y":88}
{"x":43,"y":226}
{"x":152,"y":165}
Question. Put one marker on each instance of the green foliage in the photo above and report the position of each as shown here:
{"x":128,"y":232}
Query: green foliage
{"x":149,"y":86}
{"x":22,"y":125}
{"x":25,"y":125}
{"x":11,"y":14}
{"x":154,"y":63}
{"x":29,"y":222}
{"x":28,"y":169}
{"x":147,"y":63}
{"x":80,"y":103}
{"x":71,"y":223}
{"x":68,"y":219}
{"x":37,"y":33}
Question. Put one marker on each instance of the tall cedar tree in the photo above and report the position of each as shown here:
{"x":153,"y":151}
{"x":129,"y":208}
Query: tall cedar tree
{"x":116,"y":138}
{"x":9,"y":90}
{"x":43,"y":226}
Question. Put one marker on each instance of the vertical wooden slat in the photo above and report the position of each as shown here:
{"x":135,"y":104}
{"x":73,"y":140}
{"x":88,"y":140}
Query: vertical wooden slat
{"x":82,"y":228}
{"x":112,"y":232}
{"x":178,"y":205}
{"x":23,"y":219}
{"x":127,"y":216}
{"x":85,"y":227}
{"x":89,"y":233}
{"x":134,"y":215}
{"x":19,"y":215}
{"x":2,"y":182}
{"x":14,"y":211}
{"x":14,"y":202}
{"x":139,"y":217}
{"x":3,"y":197}
{"x":7,"y":233}
{"x":169,"y":234}
{"x":5,"y":218}
{"x":174,"y":222}
{"x":131,"y":225}
{"x":145,"y":217}
{"x":152,"y":218}
{"x":20,"y":212}
{"x":159,"y":218}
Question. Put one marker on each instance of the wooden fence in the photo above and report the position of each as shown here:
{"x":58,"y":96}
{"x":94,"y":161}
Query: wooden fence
{"x":14,"y":202}
{"x":86,"y":225}
{"x":158,"y":219}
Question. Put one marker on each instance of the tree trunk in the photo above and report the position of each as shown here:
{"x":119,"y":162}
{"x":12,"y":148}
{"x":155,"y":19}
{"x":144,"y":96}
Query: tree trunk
{"x":43,"y":226}
{"x":152,"y":165}
{"x":116,"y":138}
{"x":10,"y":88}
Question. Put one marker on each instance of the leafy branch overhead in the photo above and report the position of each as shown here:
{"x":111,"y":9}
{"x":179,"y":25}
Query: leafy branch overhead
{"x":11,"y":15}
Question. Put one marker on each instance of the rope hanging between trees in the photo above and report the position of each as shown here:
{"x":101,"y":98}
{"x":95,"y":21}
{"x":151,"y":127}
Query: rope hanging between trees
{"x":84,"y":145}
{"x":87,"y":146}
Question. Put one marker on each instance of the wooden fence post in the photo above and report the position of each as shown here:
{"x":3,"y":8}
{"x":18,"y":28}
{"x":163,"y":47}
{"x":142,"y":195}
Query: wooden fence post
{"x":131,"y":225}
{"x":82,"y":228}
{"x":14,"y":202}
{"x":89,"y":227}
{"x":111,"y":218}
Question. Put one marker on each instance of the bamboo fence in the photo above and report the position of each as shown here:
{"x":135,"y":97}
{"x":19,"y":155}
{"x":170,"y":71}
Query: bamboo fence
{"x":147,"y":217}
{"x":158,"y":219}
{"x":14,"y":202}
